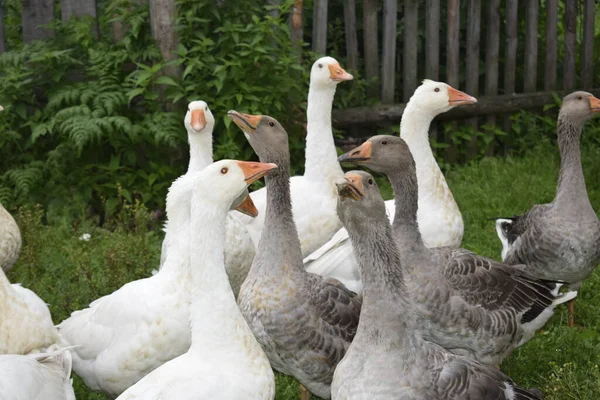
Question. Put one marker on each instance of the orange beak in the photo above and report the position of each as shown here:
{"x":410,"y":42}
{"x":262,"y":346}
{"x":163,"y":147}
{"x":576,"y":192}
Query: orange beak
{"x":362,"y":153}
{"x":352,"y":187}
{"x":456,"y":97}
{"x":246,"y":122}
{"x":253,"y":171}
{"x":198,"y":120}
{"x":247,"y":207}
{"x":594,"y":104}
{"x":338,"y":74}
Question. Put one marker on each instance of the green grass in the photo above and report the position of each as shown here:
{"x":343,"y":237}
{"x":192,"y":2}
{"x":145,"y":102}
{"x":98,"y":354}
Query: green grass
{"x":563,"y":362}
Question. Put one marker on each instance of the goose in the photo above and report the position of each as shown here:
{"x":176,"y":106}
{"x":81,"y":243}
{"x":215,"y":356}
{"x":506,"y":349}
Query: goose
{"x":313,"y":194}
{"x":239,"y":248}
{"x":10,"y":240}
{"x":25,"y":322}
{"x":468,"y":304}
{"x":440,"y":220}
{"x":123,"y":336}
{"x":40,"y":376}
{"x":559,"y":240}
{"x":224,"y":361}
{"x":388,"y":358}
{"x":303,"y":321}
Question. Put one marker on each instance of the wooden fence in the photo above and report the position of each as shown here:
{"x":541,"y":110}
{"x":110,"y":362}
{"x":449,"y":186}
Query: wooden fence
{"x":481,"y":55}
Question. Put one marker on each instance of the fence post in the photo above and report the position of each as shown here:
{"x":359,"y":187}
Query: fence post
{"x":36,"y":14}
{"x":510,"y":59}
{"x":432,"y":50}
{"x":587,"y":58}
{"x":492,"y":55}
{"x":570,"y":43}
{"x":350,"y":30}
{"x":452,"y":62}
{"x":371,"y":45}
{"x":551,"y":35}
{"x":531,"y":46}
{"x":388,"y":63}
{"x":79,"y":8}
{"x":410,"y":56}
{"x":297,"y":26}
{"x":319,"y":43}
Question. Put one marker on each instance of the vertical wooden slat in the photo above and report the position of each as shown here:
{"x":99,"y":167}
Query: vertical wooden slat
{"x":319,"y":43}
{"x":492,"y":55}
{"x":274,"y":7}
{"x":472,"y":84}
{"x":297,"y":26}
{"x":452,"y":61}
{"x":410,"y":56}
{"x":371,"y":44}
{"x":350,"y":29}
{"x":551,"y":39}
{"x":587,"y":59}
{"x":510,"y":58}
{"x":531,"y":46}
{"x":432,"y":49}
{"x":388,"y":63}
{"x":570,"y":43}
{"x":35,"y":16}
{"x":2,"y":40}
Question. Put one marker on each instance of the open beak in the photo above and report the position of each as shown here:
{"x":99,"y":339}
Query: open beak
{"x":456,"y":97}
{"x":351,"y":187}
{"x":246,"y":122}
{"x":247,"y":207}
{"x":253,"y":171}
{"x":338,"y":74}
{"x":594,"y":104}
{"x":198,"y":120}
{"x":360,"y":154}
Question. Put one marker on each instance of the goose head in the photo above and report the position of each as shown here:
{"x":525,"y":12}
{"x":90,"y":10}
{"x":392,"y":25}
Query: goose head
{"x":199,"y":118}
{"x":226,"y":181}
{"x":439,"y":97}
{"x":382,"y":153}
{"x":326,"y":72}
{"x":579,"y":106}
{"x":359,"y":199}
{"x":265,"y":134}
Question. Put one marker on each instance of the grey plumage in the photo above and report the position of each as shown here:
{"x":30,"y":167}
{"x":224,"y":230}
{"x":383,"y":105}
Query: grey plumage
{"x":468,"y":304}
{"x":388,"y":358}
{"x":559,"y":240}
{"x":303,"y":321}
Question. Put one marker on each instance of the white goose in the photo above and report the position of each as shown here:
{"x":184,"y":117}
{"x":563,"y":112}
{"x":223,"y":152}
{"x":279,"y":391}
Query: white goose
{"x":314,"y":193}
{"x":25,"y":322}
{"x":224,"y":361}
{"x":239,"y":249}
{"x":123,"y":336}
{"x":41,"y":376}
{"x":440,"y":220}
{"x":10,"y":240}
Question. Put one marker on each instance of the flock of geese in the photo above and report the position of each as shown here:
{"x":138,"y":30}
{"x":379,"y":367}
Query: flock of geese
{"x":311,"y":279}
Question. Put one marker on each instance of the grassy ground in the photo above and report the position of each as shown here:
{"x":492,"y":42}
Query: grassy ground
{"x":564,"y":362}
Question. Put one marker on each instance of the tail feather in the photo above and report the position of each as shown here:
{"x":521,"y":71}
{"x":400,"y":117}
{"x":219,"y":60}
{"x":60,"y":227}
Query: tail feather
{"x":522,"y":394}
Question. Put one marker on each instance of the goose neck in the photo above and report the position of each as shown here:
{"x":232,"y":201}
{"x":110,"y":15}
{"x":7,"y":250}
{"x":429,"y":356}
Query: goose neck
{"x":201,"y":149}
{"x":321,"y":163}
{"x":213,"y":310}
{"x":279,"y":244}
{"x":405,"y":226}
{"x":571,"y":182}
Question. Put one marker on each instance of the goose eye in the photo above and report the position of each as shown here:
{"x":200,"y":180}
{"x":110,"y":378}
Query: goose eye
{"x":370,"y":181}
{"x":320,"y":65}
{"x":384,"y":142}
{"x":206,"y":108}
{"x":437,"y":89}
{"x":224,"y":170}
{"x":271,"y":123}
{"x":579,"y":97}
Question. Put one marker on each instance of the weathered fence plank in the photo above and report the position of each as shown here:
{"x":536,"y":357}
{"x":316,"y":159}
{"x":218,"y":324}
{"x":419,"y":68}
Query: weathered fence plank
{"x":2,"y":40}
{"x":350,"y":30}
{"x":510,"y":58}
{"x":452,"y":62}
{"x":473,"y":39}
{"x":492,"y":56}
{"x":35,"y":15}
{"x":587,"y":56}
{"x":570,"y":43}
{"x":410,"y":55}
{"x":319,"y":39}
{"x":371,"y":45}
{"x":531,"y":46}
{"x":551,"y":50}
{"x":388,"y":54}
{"x":432,"y":39}
{"x":391,"y":114}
